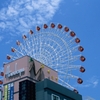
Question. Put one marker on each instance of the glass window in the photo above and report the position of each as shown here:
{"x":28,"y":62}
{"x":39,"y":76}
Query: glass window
{"x":55,"y":97}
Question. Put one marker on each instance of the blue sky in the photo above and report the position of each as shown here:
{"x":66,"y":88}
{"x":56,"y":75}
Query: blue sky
{"x":81,"y":16}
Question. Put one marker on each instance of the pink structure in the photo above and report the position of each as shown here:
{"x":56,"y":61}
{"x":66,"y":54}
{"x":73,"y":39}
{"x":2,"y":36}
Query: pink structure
{"x":21,"y":69}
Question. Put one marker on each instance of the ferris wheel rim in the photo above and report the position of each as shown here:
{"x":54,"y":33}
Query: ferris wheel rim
{"x":68,"y":46}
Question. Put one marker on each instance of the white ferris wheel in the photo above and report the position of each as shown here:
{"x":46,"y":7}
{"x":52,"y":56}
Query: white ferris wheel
{"x":56,"y":46}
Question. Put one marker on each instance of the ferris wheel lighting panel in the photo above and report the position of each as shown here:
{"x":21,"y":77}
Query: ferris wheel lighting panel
{"x":82,"y":69}
{"x":8,"y":57}
{"x":66,"y":29}
{"x":42,"y":66}
{"x":75,"y":91}
{"x":12,"y":49}
{"x":82,"y":58}
{"x":56,"y":79}
{"x":59,"y":26}
{"x":31,"y":32}
{"x":52,"y":77}
{"x":1,"y":82}
{"x":77,"y":40}
{"x":72,"y":34}
{"x":2,"y":73}
{"x":48,"y":71}
{"x":18,"y":42}
{"x":79,"y":80}
{"x":38,"y":28}
{"x":52,"y":25}
{"x":45,"y":26}
{"x":81,"y":48}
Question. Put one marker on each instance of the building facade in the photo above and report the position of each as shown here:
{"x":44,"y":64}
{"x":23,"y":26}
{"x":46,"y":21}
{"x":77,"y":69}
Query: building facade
{"x":49,"y":90}
{"x":28,"y":79}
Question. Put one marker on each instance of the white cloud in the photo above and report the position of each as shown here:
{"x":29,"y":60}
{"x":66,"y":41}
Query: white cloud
{"x":88,"y":98}
{"x":11,"y":11}
{"x":2,"y":25}
{"x":8,"y":41}
{"x":94,"y":81}
{"x":1,"y":37}
{"x":76,"y":2}
{"x":83,"y":85}
{"x":22,"y":15}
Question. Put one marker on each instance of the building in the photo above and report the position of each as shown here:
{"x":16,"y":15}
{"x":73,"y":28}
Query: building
{"x":49,"y":90}
{"x":28,"y":79}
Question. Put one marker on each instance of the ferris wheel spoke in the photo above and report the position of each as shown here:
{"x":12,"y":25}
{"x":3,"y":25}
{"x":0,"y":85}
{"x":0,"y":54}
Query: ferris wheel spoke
{"x":22,"y":48}
{"x":72,"y":76}
{"x":12,"y":57}
{"x":61,"y":72}
{"x":17,"y":54}
{"x":70,"y":68}
{"x":67,"y":85}
{"x":74,"y":58}
{"x":36,"y":45}
{"x":74,"y":49}
{"x":52,"y":50}
{"x":71,"y":44}
{"x":73,"y":67}
{"x":27,"y":44}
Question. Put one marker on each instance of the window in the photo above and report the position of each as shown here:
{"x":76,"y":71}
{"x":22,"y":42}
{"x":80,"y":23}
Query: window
{"x":55,"y":97}
{"x":8,"y":69}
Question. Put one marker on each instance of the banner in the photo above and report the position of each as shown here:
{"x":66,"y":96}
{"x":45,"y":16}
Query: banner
{"x":5,"y":92}
{"x":12,"y":91}
{"x":8,"y":91}
{"x":0,"y":94}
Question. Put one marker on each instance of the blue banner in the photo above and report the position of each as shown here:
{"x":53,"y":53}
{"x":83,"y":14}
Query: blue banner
{"x":0,"y":95}
{"x":8,"y":91}
{"x":12,"y":91}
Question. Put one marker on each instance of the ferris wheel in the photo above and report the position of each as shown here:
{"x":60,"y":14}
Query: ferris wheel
{"x":1,"y":78}
{"x":56,"y":46}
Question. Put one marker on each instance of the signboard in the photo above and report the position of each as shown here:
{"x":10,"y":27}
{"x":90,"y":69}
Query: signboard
{"x":16,"y":72}
{"x":5,"y":92}
{"x":11,"y":91}
{"x":8,"y":91}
